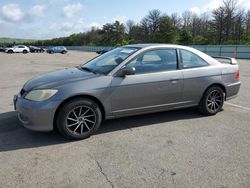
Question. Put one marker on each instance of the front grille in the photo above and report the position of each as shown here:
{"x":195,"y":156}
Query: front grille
{"x":22,"y":92}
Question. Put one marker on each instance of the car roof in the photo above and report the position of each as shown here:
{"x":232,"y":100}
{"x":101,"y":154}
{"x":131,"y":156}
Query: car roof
{"x":154,"y":45}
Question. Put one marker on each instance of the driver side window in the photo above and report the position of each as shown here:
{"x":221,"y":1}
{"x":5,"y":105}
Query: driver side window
{"x":155,"y":61}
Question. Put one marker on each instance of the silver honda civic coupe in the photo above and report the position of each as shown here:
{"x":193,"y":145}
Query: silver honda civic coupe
{"x":128,"y":80}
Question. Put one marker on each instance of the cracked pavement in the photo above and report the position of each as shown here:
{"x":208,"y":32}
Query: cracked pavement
{"x":169,"y":149}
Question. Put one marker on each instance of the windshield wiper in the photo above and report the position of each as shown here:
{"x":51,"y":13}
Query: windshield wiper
{"x":88,"y":69}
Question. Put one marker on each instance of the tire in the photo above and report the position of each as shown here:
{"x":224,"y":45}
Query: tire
{"x":25,"y":51}
{"x":212,"y":101}
{"x":73,"y":125}
{"x":10,"y":51}
{"x":64,"y":52}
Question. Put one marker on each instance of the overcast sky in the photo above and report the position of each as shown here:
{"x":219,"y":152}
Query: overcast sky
{"x":45,"y":19}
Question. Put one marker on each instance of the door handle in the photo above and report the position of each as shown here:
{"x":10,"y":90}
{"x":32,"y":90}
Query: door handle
{"x":174,"y":79}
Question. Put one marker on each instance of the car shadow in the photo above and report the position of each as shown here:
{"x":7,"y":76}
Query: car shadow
{"x":14,"y":136}
{"x":147,"y":120}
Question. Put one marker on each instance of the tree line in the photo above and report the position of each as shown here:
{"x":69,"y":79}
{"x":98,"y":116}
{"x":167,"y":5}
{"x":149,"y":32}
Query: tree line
{"x":227,"y":24}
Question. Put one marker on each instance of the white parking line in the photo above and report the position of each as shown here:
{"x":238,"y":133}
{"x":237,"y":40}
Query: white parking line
{"x":238,"y":106}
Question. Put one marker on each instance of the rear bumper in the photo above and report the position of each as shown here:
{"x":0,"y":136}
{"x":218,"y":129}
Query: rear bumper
{"x":232,"y":90}
{"x":36,"y":116}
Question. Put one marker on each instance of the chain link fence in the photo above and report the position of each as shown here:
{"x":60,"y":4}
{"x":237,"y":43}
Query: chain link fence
{"x":237,"y":51}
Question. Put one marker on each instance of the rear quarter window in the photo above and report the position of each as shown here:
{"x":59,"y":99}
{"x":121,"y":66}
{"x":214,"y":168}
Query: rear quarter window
{"x":191,"y":60}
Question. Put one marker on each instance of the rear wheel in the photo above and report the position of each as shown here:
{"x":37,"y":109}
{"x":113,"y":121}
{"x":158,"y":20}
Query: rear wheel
{"x":79,"y":119}
{"x":10,"y":51}
{"x":212,"y":101}
{"x":25,"y":51}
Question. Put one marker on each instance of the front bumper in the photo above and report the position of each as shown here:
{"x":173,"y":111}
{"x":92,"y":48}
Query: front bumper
{"x":37,"y":116}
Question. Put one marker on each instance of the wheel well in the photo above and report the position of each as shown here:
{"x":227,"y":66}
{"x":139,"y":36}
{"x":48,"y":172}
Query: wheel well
{"x":219,"y":85}
{"x":100,"y":105}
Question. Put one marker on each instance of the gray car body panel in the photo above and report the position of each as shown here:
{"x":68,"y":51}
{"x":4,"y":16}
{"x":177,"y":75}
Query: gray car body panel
{"x":130,"y":95}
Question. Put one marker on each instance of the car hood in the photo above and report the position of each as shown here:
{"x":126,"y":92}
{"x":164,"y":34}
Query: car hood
{"x":57,"y":78}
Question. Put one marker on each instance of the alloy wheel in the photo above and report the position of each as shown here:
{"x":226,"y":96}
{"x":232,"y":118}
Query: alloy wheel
{"x":214,"y":101}
{"x":81,"y":120}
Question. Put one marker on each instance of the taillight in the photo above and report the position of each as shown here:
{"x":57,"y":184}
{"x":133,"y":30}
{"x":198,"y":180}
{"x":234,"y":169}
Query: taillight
{"x":237,"y":75}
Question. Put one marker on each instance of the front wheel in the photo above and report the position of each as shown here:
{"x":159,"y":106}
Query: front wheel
{"x":79,"y":119}
{"x":212,"y":101}
{"x":25,"y":51}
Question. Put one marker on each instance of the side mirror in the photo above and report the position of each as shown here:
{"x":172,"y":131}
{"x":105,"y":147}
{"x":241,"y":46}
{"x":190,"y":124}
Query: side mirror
{"x":125,"y":71}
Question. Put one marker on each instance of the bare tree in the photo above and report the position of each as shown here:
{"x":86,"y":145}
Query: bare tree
{"x":129,"y":26}
{"x":152,"y":20}
{"x":230,"y":7}
{"x":195,"y":24}
{"x":238,"y":26}
{"x":247,"y":21}
{"x":205,"y":24}
{"x":176,"y":20}
{"x":145,"y":28}
{"x":218,"y":23}
{"x":150,"y":24}
{"x":186,"y":16}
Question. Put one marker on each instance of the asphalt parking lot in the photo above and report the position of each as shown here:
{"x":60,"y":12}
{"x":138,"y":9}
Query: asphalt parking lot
{"x":170,"y":149}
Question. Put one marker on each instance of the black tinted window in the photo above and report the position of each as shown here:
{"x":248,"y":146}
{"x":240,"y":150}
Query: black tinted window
{"x":191,"y":60}
{"x":155,"y":61}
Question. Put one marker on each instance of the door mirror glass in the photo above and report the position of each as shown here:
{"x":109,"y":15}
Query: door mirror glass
{"x":125,"y":71}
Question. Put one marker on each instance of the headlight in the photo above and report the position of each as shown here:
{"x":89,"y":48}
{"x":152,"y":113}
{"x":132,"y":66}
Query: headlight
{"x":40,"y":94}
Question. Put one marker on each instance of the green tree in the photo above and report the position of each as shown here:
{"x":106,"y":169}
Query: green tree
{"x":227,"y":24}
{"x":136,"y":35}
{"x":199,"y":40}
{"x":113,"y":34}
{"x":186,"y":37}
{"x":168,"y":32}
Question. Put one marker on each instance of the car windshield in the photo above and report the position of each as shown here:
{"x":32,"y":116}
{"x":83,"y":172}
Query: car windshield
{"x":107,"y":62}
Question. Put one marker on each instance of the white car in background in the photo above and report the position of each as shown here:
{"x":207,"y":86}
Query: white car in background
{"x":17,"y":49}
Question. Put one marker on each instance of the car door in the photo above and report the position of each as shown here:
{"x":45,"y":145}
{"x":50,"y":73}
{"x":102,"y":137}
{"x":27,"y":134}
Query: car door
{"x":58,"y":49}
{"x":15,"y":49}
{"x":197,"y":76}
{"x":156,"y":85}
{"x":18,"y":49}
